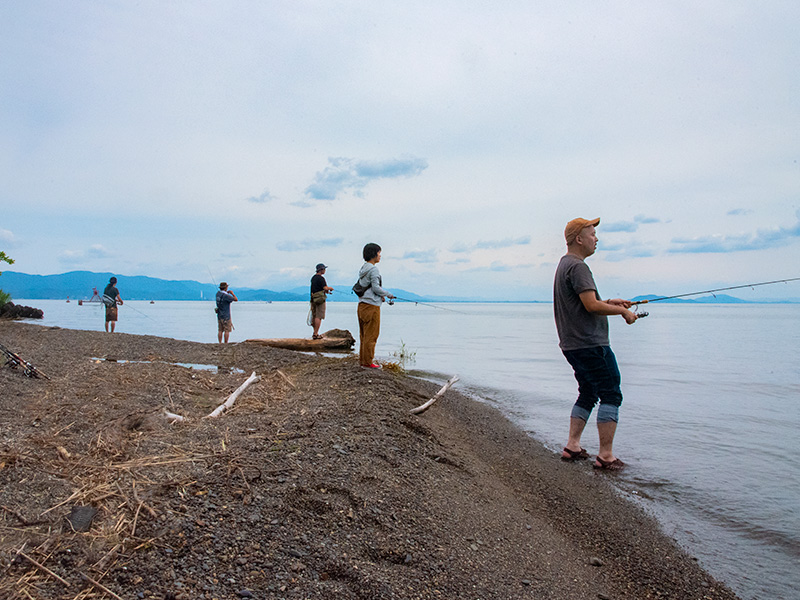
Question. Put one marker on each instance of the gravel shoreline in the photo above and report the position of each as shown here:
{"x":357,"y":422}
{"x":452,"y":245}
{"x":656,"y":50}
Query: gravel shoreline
{"x":318,"y":483}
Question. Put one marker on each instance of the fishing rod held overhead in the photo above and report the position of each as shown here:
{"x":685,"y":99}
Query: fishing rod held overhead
{"x":733,"y":287}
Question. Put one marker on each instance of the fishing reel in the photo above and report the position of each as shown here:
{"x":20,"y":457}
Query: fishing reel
{"x":640,"y":315}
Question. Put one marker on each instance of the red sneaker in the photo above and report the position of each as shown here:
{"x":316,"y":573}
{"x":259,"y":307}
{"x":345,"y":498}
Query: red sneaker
{"x":372,"y":366}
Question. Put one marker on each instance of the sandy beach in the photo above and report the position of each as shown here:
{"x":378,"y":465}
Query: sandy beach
{"x":317,"y":483}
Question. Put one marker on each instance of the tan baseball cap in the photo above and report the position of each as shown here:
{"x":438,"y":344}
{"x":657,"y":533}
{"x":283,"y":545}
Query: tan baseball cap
{"x":575,"y":226}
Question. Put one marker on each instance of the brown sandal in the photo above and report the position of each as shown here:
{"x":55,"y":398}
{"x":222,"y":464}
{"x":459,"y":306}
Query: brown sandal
{"x":573,"y":455}
{"x":608,"y":465}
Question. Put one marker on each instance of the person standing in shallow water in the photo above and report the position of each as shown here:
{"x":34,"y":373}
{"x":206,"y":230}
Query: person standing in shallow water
{"x":369,"y":305}
{"x":224,"y":322}
{"x":582,"y":323}
{"x":111,"y":299}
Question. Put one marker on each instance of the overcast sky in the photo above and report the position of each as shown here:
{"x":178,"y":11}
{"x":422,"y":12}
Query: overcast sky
{"x":250,"y":140}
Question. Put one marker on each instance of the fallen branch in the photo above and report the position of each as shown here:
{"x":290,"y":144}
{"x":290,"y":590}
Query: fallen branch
{"x":173,"y":417}
{"x":439,"y":394}
{"x":232,"y":398}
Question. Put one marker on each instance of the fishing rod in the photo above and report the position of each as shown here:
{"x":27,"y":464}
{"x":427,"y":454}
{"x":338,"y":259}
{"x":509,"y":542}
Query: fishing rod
{"x":390,"y":302}
{"x":733,"y":287}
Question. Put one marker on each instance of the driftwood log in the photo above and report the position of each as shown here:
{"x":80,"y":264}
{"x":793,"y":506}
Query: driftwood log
{"x":335,"y":340}
{"x":422,"y":408}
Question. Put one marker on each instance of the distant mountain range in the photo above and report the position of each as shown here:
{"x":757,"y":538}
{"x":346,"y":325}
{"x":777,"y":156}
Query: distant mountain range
{"x":79,"y":284}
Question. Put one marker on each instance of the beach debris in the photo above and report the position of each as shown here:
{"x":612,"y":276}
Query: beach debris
{"x":15,"y":361}
{"x":173,"y":418}
{"x":232,"y":398}
{"x":286,"y":378}
{"x":80,"y":517}
{"x":596,"y":562}
{"x":422,"y":408}
{"x":100,"y":586}
{"x":40,"y":566}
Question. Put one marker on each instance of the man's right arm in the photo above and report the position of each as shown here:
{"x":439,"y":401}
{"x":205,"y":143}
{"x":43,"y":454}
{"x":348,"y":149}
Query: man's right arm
{"x":601,"y":307}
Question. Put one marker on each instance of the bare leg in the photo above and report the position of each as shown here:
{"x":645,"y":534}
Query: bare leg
{"x":317,"y":323}
{"x":219,"y":337}
{"x":227,"y":335}
{"x":576,"y":427}
{"x":606,"y":431}
{"x":113,"y":326}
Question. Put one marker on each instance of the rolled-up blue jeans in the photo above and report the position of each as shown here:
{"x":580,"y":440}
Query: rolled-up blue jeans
{"x":598,"y":378}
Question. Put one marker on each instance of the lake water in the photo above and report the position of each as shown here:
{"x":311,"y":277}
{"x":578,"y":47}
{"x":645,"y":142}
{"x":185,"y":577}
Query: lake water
{"x":708,"y":426}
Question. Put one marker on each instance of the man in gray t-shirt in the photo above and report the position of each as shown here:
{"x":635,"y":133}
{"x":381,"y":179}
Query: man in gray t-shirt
{"x":582,"y":324}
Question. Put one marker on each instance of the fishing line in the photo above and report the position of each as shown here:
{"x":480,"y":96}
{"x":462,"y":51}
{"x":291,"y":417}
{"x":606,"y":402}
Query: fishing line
{"x":140,"y":312}
{"x":428,"y":304}
{"x":733,"y":287}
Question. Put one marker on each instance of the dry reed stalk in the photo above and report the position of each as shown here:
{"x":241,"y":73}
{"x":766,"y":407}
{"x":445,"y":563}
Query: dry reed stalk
{"x":135,"y":520}
{"x":286,"y":378}
{"x":43,"y":568}
{"x":100,"y":585}
{"x":100,"y":564}
{"x":153,"y":461}
{"x":72,"y":497}
{"x":142,"y":504}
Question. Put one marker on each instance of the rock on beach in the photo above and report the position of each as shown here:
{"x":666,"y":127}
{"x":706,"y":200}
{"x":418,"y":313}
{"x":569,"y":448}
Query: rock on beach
{"x":316,"y":483}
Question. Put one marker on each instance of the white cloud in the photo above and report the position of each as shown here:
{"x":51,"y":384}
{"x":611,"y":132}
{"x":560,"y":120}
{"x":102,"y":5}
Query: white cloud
{"x":262,"y":199}
{"x":349,"y":175}
{"x":308,"y":244}
{"x":7,"y":238}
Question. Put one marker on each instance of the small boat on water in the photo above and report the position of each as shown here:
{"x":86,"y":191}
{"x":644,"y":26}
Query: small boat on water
{"x":95,"y":299}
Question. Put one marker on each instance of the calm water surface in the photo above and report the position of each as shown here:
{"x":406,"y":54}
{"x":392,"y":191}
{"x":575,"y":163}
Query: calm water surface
{"x":708,"y":426}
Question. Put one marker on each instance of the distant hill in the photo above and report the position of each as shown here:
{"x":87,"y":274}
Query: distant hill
{"x":78,"y":285}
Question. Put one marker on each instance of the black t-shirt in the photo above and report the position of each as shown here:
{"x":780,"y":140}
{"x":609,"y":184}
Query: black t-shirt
{"x":318,"y":283}
{"x":111,"y":291}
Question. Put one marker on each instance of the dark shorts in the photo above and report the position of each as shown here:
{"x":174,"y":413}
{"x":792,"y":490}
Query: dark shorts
{"x":597,"y":374}
{"x":111,"y":313}
{"x":318,"y":310}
